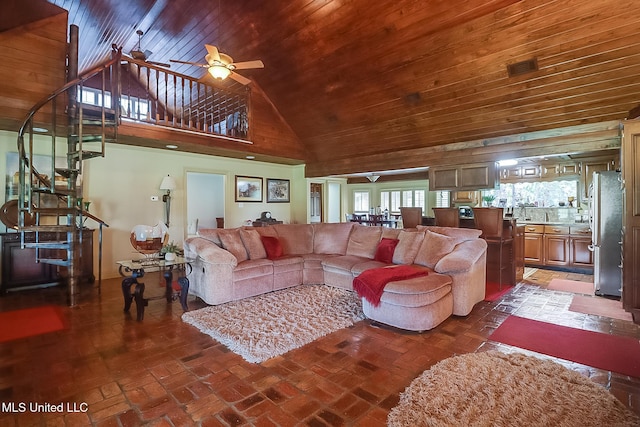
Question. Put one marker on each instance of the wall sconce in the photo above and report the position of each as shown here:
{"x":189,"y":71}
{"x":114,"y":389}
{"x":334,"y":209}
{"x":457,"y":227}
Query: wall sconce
{"x":168,"y":184}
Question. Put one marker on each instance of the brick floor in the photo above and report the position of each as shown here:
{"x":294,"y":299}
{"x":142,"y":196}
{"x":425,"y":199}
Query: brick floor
{"x":162,"y":372}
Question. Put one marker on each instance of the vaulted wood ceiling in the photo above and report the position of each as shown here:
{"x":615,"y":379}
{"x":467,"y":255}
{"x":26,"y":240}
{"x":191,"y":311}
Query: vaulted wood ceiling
{"x":374,"y":85}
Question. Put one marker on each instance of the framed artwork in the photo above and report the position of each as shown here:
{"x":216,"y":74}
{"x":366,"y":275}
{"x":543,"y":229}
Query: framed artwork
{"x":278,"y":190}
{"x":248,"y":189}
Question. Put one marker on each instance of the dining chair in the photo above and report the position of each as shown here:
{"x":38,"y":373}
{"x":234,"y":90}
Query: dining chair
{"x":376,"y":219}
{"x":447,"y":217}
{"x":500,"y":243}
{"x":357,"y":218}
{"x":411,"y":217}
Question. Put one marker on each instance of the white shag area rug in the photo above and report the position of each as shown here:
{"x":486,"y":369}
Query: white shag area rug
{"x":265,"y":326}
{"x":496,"y":389}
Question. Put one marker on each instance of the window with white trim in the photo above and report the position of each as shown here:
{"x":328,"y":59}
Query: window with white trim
{"x":361,"y":202}
{"x":442,"y":199}
{"x":393,"y":199}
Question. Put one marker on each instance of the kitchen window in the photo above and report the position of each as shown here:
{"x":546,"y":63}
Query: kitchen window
{"x":540,"y":194}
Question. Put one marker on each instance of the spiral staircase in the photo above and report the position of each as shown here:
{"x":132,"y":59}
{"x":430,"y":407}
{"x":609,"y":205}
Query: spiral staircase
{"x":51,"y":214}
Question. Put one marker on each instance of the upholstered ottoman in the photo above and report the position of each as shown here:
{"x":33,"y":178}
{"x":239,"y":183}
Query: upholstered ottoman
{"x":417,"y":304}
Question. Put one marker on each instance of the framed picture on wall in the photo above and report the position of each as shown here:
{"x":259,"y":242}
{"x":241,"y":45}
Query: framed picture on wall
{"x":277,"y":190}
{"x":248,"y":189}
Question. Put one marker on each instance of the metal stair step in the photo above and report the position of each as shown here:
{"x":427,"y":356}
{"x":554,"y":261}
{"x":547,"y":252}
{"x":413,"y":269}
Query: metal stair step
{"x":50,"y":228}
{"x":62,"y":262}
{"x":67,"y":173}
{"x":87,"y":154}
{"x":61,"y":244}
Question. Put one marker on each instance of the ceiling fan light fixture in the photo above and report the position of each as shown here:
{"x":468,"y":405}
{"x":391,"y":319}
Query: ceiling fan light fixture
{"x":219,"y":72}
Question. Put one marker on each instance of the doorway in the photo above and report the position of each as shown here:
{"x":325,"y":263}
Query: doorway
{"x":205,"y":201}
{"x":315,"y":202}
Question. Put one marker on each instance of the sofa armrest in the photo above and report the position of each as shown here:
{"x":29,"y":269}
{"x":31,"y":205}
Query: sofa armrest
{"x":209,"y":252}
{"x":463,"y":257}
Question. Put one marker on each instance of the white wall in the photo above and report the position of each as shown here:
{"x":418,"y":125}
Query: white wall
{"x":121,"y":184}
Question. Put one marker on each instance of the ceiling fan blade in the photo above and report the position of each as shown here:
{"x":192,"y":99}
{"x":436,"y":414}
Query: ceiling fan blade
{"x":240,"y":79}
{"x":190,"y":63}
{"x":213,"y":52}
{"x":248,"y":64}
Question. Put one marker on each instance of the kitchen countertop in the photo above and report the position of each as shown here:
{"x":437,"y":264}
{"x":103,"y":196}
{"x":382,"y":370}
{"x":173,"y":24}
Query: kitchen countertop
{"x":585,"y":224}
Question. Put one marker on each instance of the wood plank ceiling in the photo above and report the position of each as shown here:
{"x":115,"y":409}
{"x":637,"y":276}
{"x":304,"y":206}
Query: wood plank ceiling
{"x":369,"y":86}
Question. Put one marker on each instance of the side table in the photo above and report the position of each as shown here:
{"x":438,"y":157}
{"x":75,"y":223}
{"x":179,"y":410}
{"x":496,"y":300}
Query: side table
{"x":132,"y":270}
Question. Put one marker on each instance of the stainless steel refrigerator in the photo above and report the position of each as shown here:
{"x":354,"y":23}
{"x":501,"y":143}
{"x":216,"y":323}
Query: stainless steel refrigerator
{"x":605,"y":198}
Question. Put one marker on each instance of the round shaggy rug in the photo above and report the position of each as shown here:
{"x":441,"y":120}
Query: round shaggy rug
{"x":497,"y":389}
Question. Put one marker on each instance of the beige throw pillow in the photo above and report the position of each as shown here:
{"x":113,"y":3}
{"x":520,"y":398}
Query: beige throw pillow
{"x":232,"y":242}
{"x":253,"y":244}
{"x":408,"y":246}
{"x":434,"y":247}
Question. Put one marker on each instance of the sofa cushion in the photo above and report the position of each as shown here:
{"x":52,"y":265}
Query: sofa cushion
{"x":210,"y":234}
{"x":296,"y":239}
{"x":390,"y":233}
{"x":272,"y":247}
{"x":343,"y":263}
{"x":252,"y":268}
{"x":460,"y":234}
{"x":434,"y":247}
{"x":331,"y":238}
{"x":385,"y":250}
{"x":366,"y":265}
{"x":232,"y":242}
{"x":253,"y":244}
{"x":363,"y":241}
{"x":408,"y":246}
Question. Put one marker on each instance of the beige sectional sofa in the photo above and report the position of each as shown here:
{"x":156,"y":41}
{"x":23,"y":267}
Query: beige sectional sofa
{"x":232,"y":264}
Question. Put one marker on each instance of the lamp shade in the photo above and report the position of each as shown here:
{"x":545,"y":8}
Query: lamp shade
{"x":168,"y":183}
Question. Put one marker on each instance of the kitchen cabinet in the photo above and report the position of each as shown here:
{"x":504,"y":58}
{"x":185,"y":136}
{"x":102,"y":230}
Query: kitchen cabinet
{"x":520,"y":173}
{"x":588,"y":167}
{"x":562,"y":170}
{"x":476,"y":176}
{"x":558,"y":245}
{"x":470,"y":197}
{"x":580,"y":240}
{"x":533,"y":244}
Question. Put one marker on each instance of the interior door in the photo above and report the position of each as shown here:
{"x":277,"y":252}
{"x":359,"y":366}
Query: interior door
{"x":315,"y":202}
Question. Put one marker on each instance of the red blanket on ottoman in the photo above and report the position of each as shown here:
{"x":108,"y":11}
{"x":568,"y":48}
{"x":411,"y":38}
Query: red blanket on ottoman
{"x":370,"y":283}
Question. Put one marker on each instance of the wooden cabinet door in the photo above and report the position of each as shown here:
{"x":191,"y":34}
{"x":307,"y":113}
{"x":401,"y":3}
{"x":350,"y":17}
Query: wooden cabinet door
{"x":581,"y":256}
{"x":556,"y":250}
{"x":533,"y":248}
{"x":591,"y":166}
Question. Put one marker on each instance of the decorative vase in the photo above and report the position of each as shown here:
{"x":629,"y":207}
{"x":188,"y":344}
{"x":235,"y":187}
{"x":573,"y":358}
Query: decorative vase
{"x":170,"y":256}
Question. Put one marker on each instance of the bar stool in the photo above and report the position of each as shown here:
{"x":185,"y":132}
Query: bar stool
{"x":447,"y":217}
{"x":411,"y":217}
{"x":491,"y":222}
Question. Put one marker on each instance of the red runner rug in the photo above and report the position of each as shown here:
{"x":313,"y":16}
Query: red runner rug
{"x":30,"y":322}
{"x":493,"y":291}
{"x":370,"y":283}
{"x":603,"y":351}
{"x":571,"y":286}
{"x":599,"y":306}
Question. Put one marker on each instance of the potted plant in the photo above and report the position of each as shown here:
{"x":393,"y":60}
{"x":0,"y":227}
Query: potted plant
{"x":169,"y":251}
{"x":488,"y":199}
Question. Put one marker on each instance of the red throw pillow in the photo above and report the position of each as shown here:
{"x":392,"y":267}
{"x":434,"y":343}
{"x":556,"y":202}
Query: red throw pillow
{"x":385,"y":249}
{"x":272,"y":246}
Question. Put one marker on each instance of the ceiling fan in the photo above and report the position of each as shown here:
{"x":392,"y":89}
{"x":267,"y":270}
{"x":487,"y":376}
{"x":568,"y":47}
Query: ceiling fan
{"x":221,"y":65}
{"x":142,"y":55}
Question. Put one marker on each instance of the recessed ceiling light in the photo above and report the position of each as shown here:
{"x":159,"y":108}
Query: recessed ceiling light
{"x":250,"y":157}
{"x":172,"y":146}
{"x":510,"y":162}
{"x":41,"y":130}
